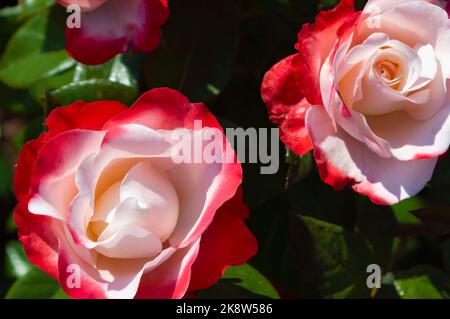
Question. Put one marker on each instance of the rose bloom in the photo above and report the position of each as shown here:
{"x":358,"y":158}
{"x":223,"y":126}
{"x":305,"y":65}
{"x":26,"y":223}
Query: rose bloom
{"x":369,"y":93}
{"x":100,"y":196}
{"x":110,"y":27}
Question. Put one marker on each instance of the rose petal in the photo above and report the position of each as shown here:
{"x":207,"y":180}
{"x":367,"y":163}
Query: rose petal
{"x":55,"y":168}
{"x":121,"y":142}
{"x":316,"y":43}
{"x":218,"y":249}
{"x":412,"y":139}
{"x":36,"y":234}
{"x":128,"y":241}
{"x":380,"y":6}
{"x":343,"y":160}
{"x":114,"y":27}
{"x":166,"y":109}
{"x":25,"y":166}
{"x":171,"y":278}
{"x":81,"y":115}
{"x":85,"y":5}
{"x":354,"y":65}
{"x":353,"y":122}
{"x":156,"y":201}
{"x":286,"y":105}
{"x":215,"y":183}
{"x":401,"y":19}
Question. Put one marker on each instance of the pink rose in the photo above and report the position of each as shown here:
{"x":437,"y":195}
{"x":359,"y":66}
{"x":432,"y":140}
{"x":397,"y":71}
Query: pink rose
{"x":110,"y":27}
{"x":106,"y":209}
{"x":85,"y":5}
{"x":369,"y":93}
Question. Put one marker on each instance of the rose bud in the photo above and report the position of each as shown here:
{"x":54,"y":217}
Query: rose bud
{"x":109,"y":27}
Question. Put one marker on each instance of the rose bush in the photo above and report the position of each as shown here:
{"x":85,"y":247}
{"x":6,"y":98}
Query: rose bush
{"x":101,"y":190}
{"x":369,"y":93}
{"x":110,"y":27}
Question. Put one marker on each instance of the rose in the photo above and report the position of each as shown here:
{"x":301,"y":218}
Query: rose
{"x":100,"y":193}
{"x":110,"y":27}
{"x":85,"y":5}
{"x":378,"y":80}
{"x":369,"y":93}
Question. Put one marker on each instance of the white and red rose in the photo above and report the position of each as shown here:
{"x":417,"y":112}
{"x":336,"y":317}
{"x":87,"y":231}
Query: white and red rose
{"x":110,"y":27}
{"x":369,"y":92}
{"x":100,"y":190}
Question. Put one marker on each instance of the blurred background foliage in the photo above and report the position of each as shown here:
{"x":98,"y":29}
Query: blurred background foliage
{"x":314,"y":242}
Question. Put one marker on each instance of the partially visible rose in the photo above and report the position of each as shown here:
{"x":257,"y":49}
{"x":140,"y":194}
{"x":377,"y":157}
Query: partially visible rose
{"x":110,"y":27}
{"x":101,"y":190}
{"x":369,"y":92}
{"x":85,"y":5}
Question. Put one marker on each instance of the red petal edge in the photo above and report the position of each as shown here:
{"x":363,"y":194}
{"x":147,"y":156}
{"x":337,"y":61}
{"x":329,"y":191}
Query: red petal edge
{"x":144,"y":37}
{"x":35,"y":232}
{"x":219,"y":250}
{"x":286,"y":105}
{"x":315,"y":43}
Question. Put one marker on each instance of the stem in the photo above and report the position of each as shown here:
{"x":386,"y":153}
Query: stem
{"x":291,"y":174}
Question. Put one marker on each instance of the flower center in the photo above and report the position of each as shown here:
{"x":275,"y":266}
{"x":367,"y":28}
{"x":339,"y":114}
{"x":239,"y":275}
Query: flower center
{"x":388,"y":71}
{"x":144,"y":203}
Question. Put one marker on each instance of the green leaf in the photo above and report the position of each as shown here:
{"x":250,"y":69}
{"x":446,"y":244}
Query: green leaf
{"x":28,"y":39}
{"x":16,"y":261}
{"x":36,"y":50}
{"x":241,"y":282}
{"x":26,"y":8}
{"x":41,"y":89}
{"x":199,"y":48}
{"x":26,"y":62}
{"x":114,"y":80}
{"x":303,"y":163}
{"x":60,"y":294}
{"x":25,"y":72}
{"x":94,"y":90}
{"x":423,"y":282}
{"x":335,"y":260}
{"x":34,"y":285}
{"x":30,"y":7}
{"x":122,"y":69}
{"x":403,"y":210}
{"x":9,"y":22}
